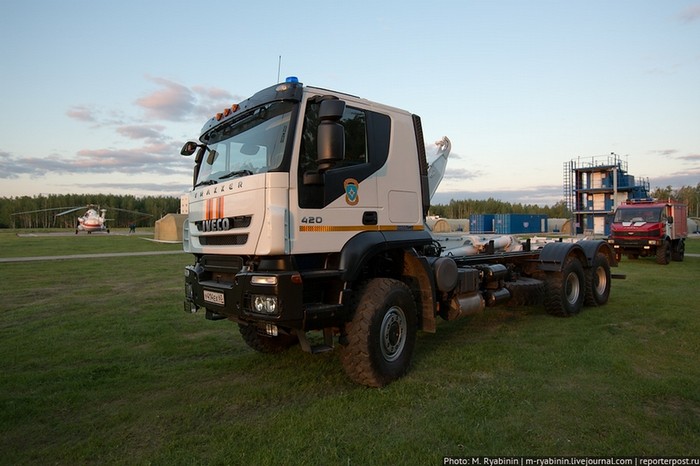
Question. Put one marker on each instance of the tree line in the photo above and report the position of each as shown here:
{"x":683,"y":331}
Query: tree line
{"x":43,"y":209}
{"x":157,"y":206}
{"x":465,"y":207}
{"x":688,"y":195}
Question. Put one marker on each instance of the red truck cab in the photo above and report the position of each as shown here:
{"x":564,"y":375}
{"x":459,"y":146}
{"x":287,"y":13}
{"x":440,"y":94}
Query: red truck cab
{"x":648,"y":227}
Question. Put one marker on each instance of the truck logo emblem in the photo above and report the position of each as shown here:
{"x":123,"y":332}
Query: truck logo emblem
{"x":351,"y":191}
{"x":217,"y":224}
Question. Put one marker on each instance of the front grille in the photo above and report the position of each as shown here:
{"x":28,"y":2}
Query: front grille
{"x":637,"y":234}
{"x":224,"y":240}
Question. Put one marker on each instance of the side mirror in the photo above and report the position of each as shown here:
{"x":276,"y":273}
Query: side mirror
{"x":189,"y":148}
{"x":331,"y":134}
{"x":670,"y":220}
{"x":213,"y":154}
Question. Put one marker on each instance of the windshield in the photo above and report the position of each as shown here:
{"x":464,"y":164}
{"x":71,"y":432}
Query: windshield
{"x":638,"y":214}
{"x":253,"y":143}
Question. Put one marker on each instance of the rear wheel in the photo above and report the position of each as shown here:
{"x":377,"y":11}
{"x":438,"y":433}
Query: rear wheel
{"x":564,"y":291}
{"x":598,"y":281}
{"x":663,"y":253}
{"x":678,"y":250}
{"x":382,"y":333}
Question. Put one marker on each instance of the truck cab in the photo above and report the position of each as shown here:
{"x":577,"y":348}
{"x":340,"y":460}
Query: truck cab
{"x":292,"y":185}
{"x":647,"y":227}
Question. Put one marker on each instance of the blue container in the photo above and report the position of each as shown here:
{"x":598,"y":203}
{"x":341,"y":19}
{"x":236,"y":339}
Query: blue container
{"x":481,"y":223}
{"x":511,"y":224}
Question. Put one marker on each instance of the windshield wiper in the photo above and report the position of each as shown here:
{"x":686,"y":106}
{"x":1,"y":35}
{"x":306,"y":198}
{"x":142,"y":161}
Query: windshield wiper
{"x":236,"y":173}
{"x":205,"y":183}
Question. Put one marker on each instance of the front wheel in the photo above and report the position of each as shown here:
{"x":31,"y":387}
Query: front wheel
{"x":663,"y":253}
{"x":564,"y":291}
{"x":382,"y":334}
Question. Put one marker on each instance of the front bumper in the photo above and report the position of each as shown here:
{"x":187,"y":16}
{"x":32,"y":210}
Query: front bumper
{"x":234,"y":296}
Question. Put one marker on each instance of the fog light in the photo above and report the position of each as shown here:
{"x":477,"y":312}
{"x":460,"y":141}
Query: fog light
{"x":264,"y":304}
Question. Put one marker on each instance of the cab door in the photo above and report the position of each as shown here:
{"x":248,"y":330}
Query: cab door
{"x":334,"y":204}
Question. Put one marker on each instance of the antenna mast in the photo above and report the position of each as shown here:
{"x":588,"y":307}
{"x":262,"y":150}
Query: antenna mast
{"x":279,"y":66}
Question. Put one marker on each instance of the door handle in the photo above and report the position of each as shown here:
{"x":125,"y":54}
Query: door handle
{"x":369,"y":217}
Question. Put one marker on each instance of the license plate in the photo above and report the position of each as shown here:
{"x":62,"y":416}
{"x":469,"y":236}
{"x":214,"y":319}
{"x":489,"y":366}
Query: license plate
{"x":214,"y":297}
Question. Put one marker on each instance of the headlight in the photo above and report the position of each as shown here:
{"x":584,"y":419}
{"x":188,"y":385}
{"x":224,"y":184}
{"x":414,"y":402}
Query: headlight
{"x":263,"y":304}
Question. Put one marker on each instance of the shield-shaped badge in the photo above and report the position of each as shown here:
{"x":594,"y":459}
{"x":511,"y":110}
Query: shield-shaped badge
{"x":352,"y":196}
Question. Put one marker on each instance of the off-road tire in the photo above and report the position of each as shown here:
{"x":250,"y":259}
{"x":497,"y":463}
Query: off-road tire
{"x":663,"y":253}
{"x":382,"y":333}
{"x":565,"y":290}
{"x":597,"y":281}
{"x":678,"y":252}
{"x":266,"y":344}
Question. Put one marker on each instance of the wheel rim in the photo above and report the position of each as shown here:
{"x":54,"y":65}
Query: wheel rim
{"x":393,"y":333}
{"x":600,"y":281}
{"x":573,"y":288}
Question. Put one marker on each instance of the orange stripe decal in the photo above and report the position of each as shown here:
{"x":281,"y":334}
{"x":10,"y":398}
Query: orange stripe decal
{"x":328,"y":228}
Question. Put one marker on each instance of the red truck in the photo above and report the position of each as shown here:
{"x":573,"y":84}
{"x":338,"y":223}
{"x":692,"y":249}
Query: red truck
{"x":648,"y":227}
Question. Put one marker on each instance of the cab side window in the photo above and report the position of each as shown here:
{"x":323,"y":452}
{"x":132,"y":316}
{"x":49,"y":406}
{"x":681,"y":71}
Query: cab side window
{"x":354,"y":122}
{"x":366,"y":150}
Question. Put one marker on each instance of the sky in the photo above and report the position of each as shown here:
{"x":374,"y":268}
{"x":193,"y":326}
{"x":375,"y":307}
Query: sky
{"x":99,"y":96}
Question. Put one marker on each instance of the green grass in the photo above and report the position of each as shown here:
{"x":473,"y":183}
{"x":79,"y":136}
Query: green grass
{"x":101,"y":365}
{"x":28,"y":243}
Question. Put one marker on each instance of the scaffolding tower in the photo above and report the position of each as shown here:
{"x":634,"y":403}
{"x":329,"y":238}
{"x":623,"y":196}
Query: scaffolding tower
{"x":594,"y":186}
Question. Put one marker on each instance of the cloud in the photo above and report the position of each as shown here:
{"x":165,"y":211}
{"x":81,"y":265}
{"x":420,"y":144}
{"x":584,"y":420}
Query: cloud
{"x":690,"y":13}
{"x":461,"y":174}
{"x":176,"y":102}
{"x":677,"y":180}
{"x":172,"y":102}
{"x":153,"y":133}
{"x":665,"y":152}
{"x":690,"y":157}
{"x":81,"y":113}
{"x":214,"y":93}
{"x":156,"y":158}
{"x":211,"y":100}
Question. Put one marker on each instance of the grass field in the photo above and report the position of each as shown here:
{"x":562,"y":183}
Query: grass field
{"x":101,"y":365}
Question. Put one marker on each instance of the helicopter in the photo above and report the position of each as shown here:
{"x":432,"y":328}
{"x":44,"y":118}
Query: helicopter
{"x":92,"y":220}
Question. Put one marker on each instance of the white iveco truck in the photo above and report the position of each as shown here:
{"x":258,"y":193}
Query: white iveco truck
{"x":307,"y":215}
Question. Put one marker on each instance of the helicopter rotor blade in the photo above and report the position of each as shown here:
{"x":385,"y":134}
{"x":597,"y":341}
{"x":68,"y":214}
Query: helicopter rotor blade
{"x":132,"y":212}
{"x":41,"y":210}
{"x":69,"y":211}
